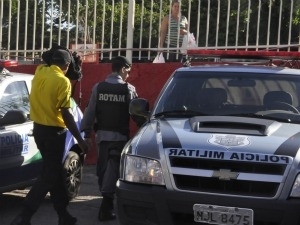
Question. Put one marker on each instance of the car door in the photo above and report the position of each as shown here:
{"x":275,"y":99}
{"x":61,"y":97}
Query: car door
{"x":20,"y":160}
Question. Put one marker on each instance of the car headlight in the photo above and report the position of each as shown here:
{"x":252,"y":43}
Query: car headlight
{"x":296,"y":188}
{"x":142,"y":170}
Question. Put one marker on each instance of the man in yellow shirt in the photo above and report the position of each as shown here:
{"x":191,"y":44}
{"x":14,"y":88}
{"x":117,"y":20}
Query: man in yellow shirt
{"x":50,"y":109}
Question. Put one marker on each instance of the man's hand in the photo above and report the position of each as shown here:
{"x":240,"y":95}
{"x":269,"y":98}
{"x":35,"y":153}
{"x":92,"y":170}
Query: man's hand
{"x":67,"y":115}
{"x":85,"y":145}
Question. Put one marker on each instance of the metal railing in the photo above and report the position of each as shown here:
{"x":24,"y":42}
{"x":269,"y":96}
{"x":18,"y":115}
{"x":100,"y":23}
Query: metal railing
{"x":100,"y":29}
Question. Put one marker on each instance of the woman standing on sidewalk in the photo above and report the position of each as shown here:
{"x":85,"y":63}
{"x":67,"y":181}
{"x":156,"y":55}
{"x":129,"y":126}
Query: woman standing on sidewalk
{"x":173,"y":27}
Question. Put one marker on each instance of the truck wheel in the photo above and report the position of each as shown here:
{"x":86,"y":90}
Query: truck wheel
{"x":72,"y":174}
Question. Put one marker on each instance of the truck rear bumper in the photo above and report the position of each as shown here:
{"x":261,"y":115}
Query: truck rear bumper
{"x":144,"y":204}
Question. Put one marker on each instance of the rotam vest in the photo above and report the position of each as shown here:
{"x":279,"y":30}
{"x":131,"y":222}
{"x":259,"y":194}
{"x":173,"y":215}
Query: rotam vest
{"x":112,"y":107}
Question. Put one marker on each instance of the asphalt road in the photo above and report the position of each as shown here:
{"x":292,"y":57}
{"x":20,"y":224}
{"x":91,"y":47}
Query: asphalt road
{"x":84,"y":207}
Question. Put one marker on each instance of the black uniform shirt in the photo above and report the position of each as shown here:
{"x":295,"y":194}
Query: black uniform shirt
{"x":89,"y":116}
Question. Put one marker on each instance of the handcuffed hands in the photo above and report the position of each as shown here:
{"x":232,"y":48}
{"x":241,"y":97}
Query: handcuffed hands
{"x":85,"y":145}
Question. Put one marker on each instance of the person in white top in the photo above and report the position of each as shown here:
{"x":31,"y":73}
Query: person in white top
{"x":173,"y":27}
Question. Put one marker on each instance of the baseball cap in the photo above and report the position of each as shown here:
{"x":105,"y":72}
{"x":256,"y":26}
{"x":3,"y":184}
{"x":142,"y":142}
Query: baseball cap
{"x":121,"y":60}
{"x":61,"y":56}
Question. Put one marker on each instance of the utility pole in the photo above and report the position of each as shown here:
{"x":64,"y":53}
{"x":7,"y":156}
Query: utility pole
{"x":130,"y":29}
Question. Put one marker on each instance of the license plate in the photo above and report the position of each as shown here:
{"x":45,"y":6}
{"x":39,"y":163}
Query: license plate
{"x":222,"y":215}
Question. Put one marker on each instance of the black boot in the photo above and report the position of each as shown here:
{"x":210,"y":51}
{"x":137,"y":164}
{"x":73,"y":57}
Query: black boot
{"x":106,"y":210}
{"x":66,"y":219}
{"x":23,"y":218}
{"x":20,"y":220}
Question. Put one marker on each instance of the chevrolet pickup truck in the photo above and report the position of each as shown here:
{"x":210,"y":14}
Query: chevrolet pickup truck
{"x":220,"y":146}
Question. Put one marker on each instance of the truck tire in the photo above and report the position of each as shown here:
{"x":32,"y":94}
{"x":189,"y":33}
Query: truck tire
{"x":72,"y":174}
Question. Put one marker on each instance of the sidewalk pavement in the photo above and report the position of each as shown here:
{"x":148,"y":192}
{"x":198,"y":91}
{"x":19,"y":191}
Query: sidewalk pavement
{"x":84,"y":207}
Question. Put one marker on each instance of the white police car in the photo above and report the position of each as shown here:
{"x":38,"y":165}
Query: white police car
{"x":20,"y":160}
{"x":221,"y":146}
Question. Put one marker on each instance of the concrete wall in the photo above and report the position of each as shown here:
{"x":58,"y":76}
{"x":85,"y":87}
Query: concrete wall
{"x":148,"y":78}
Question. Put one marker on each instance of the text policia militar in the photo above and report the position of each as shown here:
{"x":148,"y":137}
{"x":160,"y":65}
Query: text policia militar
{"x":226,"y":155}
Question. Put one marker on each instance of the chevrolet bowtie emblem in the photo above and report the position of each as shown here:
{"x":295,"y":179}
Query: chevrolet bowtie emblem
{"x":224,"y":174}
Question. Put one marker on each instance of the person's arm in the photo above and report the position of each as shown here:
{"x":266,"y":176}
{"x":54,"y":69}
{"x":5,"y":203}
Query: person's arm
{"x":71,"y":125}
{"x":184,"y":31}
{"x":163,"y":31}
{"x":64,"y":103}
{"x":89,"y":115}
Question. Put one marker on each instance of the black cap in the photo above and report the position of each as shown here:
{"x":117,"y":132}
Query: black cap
{"x":122,"y":61}
{"x":61,"y":56}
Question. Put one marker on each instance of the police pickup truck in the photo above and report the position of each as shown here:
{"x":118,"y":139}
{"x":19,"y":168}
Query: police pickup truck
{"x":220,"y":146}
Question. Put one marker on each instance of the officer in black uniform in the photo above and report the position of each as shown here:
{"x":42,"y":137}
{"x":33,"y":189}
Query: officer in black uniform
{"x":108,"y":106}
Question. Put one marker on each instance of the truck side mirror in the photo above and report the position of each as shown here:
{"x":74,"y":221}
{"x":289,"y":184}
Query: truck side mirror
{"x":139,"y":107}
{"x":13,"y":117}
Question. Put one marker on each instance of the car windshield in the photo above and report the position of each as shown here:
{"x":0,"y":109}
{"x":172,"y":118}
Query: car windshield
{"x":245,"y":94}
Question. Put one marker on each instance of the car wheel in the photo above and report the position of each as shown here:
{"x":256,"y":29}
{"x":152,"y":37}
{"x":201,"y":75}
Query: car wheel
{"x":72,"y":174}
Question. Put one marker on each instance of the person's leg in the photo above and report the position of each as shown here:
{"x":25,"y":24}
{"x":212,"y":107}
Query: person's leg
{"x":45,"y":139}
{"x":110,"y":178}
{"x":174,"y":55}
{"x":102,"y":159}
{"x":112,"y":172}
{"x":167,"y":53}
{"x":61,"y":201}
{"x":106,"y":209}
{"x":58,"y":191}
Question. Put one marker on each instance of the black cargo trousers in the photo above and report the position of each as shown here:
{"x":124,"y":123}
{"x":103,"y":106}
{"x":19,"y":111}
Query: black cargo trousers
{"x":51,"y":143}
{"x":108,"y":166}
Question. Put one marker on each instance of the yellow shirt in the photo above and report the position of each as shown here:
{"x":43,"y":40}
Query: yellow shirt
{"x":50,"y":91}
